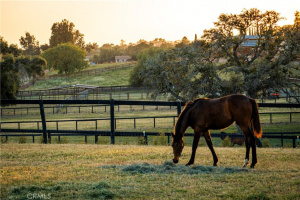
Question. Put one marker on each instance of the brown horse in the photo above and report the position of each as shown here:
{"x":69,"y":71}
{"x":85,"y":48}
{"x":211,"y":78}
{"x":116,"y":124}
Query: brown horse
{"x":205,"y":114}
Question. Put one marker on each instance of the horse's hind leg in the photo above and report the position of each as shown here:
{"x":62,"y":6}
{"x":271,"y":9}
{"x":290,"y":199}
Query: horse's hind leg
{"x":250,"y":142}
{"x":247,"y":144}
{"x":194,"y":147}
{"x":210,"y":145}
{"x":253,"y":146}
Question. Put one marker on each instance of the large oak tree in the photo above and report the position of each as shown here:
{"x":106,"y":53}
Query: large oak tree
{"x":254,"y":69}
{"x":65,"y":32}
{"x":66,"y":58}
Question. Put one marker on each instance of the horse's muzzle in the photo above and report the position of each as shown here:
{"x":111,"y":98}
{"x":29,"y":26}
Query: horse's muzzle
{"x":176,"y":159}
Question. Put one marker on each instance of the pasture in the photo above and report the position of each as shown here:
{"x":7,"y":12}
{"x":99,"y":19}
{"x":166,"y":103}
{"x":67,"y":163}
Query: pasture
{"x":90,"y":171}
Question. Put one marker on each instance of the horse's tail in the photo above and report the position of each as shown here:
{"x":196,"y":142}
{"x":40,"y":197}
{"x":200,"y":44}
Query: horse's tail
{"x":255,"y":119}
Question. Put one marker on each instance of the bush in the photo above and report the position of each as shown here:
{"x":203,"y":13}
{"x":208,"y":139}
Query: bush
{"x":226,"y":142}
{"x":266,"y":143}
{"x":142,"y":140}
{"x":3,"y":140}
{"x":161,"y":139}
{"x":288,"y":145}
{"x":22,"y":140}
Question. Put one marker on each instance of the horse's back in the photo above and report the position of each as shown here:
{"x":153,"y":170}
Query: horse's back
{"x":221,"y":112}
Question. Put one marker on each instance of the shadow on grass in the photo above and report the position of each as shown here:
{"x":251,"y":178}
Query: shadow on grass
{"x":65,"y":190}
{"x":168,"y":167}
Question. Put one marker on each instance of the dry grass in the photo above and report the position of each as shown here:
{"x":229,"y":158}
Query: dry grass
{"x":101,"y":172}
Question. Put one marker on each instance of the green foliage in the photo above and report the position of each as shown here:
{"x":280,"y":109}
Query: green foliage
{"x":264,"y":66}
{"x":30,"y":45}
{"x":108,"y":53}
{"x":226,"y":142}
{"x":10,"y":79}
{"x":65,"y":32}
{"x":161,"y":139}
{"x":194,"y":70}
{"x":3,"y":140}
{"x":9,"y":49}
{"x":34,"y":65}
{"x":22,"y":140}
{"x":182,"y":72}
{"x":266,"y":143}
{"x":66,"y":58}
{"x":142,"y":140}
{"x":136,"y":78}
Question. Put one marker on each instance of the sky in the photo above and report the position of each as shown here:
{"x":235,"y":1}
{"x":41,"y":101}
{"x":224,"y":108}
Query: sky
{"x":110,"y":21}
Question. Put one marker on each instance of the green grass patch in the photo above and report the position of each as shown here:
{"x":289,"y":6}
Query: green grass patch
{"x":111,"y":78}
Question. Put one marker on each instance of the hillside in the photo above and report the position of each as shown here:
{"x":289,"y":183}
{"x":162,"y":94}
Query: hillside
{"x":108,"y":77}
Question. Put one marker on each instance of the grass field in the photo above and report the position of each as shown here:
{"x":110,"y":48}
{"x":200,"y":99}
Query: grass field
{"x":74,"y":171}
{"x":108,"y":78}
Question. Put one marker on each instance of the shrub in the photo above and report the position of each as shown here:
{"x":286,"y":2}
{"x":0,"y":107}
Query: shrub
{"x":3,"y":140}
{"x":142,"y":140}
{"x":226,"y":142}
{"x":288,"y":145}
{"x":22,"y":140}
{"x":161,"y":139}
{"x":266,"y":143}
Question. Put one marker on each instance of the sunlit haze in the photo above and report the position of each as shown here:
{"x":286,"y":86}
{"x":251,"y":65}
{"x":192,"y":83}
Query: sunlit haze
{"x":109,"y":21}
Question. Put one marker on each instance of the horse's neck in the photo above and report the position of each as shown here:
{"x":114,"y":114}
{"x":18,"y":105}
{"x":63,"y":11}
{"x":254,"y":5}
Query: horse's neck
{"x":182,"y":125}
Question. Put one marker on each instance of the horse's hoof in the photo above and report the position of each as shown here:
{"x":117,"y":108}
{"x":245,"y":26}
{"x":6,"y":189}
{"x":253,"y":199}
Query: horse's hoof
{"x":189,"y":164}
{"x":175,"y":161}
{"x":246,"y":162}
{"x":215,"y":165}
{"x":252,"y":166}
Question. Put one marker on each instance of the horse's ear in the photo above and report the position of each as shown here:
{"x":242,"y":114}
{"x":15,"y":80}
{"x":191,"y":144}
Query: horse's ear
{"x":172,"y":134}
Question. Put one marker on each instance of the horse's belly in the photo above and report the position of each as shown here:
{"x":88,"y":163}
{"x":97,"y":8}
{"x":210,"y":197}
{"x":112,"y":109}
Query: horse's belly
{"x":220,"y":125}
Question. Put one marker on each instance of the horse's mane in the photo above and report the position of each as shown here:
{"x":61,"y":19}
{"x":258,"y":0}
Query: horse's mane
{"x":187,"y":107}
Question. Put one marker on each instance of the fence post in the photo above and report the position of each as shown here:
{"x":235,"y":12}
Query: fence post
{"x":178,"y":108}
{"x":281,"y":140}
{"x":112,"y":121}
{"x":42,"y":112}
{"x":49,"y":136}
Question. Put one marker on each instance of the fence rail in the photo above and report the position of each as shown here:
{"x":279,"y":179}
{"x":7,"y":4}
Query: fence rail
{"x":112,"y":133}
{"x":59,"y":133}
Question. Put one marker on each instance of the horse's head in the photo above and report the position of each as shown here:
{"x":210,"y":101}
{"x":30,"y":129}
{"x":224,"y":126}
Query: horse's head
{"x":177,"y":144}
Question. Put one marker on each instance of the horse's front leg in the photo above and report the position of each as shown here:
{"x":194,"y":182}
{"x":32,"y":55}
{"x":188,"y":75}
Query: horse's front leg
{"x":210,"y":146}
{"x":194,"y":148}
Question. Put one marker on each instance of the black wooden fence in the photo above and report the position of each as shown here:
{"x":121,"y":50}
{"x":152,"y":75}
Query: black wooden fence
{"x":112,"y":133}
